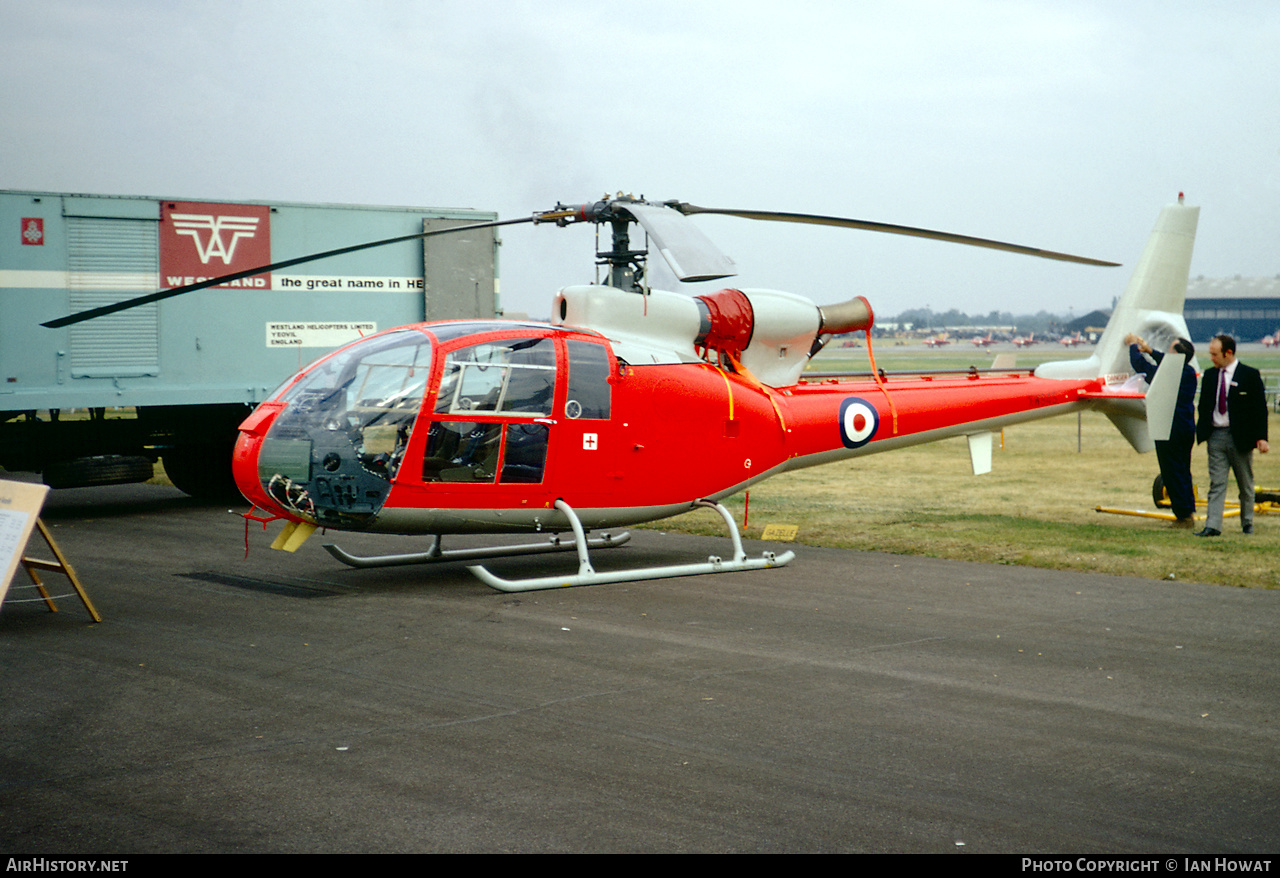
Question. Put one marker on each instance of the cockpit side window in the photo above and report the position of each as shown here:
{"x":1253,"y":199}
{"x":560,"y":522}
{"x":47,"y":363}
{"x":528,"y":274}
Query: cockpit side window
{"x":509,"y":378}
{"x":589,"y":390}
{"x":462,"y":451}
{"x":514,"y":377}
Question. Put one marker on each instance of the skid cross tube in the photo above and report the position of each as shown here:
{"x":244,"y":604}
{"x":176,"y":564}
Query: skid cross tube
{"x":587,"y":575}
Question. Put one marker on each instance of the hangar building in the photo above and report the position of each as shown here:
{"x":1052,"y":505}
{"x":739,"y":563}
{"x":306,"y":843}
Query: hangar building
{"x":1246,"y":308}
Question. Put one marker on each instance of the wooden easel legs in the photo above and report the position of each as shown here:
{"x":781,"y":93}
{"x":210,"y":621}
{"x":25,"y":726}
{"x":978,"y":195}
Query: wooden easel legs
{"x":61,"y":565}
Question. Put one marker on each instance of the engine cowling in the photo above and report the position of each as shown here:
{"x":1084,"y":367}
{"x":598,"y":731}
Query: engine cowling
{"x":771,"y":333}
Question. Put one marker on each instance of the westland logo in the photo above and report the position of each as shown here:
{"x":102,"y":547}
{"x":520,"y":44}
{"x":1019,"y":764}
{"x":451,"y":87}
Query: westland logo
{"x":211,"y":228}
{"x":204,"y":240}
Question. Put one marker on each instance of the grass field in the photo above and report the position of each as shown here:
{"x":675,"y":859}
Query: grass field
{"x":1036,"y":508}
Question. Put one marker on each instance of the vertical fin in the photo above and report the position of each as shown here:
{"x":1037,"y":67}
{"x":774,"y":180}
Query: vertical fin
{"x":1152,"y":302}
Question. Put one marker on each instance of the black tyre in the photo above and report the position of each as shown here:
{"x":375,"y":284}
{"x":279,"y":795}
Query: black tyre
{"x":104,"y":469}
{"x":1157,"y":493}
{"x":203,"y":471}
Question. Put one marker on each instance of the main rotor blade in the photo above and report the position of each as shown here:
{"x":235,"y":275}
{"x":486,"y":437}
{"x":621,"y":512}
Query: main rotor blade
{"x":690,"y":253}
{"x":81,"y":316}
{"x":889,"y":228}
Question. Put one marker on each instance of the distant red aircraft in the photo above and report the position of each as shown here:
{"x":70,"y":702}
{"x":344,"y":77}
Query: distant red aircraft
{"x":1026,"y":342}
{"x":1071,"y":340}
{"x":936,"y":342}
{"x":982,"y":341}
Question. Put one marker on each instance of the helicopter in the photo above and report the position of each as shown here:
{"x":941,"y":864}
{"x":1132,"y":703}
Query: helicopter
{"x":635,"y":404}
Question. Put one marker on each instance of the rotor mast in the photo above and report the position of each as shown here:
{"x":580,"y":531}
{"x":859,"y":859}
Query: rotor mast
{"x":626,"y":266}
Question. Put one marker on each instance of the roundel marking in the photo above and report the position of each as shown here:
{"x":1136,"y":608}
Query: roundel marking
{"x":859,"y":421}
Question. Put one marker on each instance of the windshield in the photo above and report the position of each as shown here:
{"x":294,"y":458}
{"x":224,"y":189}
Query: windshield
{"x":332,"y":453}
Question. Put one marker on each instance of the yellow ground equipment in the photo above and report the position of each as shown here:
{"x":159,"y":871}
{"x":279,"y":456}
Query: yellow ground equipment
{"x":1265,"y":500}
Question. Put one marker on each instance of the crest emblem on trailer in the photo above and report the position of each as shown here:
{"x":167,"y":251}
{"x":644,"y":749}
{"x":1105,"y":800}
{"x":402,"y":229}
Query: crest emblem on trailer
{"x":859,"y":421}
{"x":33,"y":230}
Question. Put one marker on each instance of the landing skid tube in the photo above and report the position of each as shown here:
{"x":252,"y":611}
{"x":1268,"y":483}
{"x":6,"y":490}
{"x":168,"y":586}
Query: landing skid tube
{"x":587,"y":575}
{"x":435,"y":553}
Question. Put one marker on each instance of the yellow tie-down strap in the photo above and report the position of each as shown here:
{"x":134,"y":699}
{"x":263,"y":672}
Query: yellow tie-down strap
{"x":295,"y":533}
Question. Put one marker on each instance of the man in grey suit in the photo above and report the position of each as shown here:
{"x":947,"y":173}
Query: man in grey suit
{"x":1233,"y":420}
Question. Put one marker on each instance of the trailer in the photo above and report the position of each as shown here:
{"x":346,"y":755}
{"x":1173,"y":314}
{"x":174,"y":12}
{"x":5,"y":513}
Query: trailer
{"x":100,"y":402}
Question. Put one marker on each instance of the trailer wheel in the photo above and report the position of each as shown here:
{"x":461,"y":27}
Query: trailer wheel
{"x":203,"y":471}
{"x":1157,"y":493}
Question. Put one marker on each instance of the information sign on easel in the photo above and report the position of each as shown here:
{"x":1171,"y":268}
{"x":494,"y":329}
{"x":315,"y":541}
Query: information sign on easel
{"x":20,"y":504}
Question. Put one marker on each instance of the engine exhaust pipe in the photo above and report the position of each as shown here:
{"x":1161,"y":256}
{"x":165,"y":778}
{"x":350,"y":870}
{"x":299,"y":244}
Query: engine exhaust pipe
{"x":846,"y":316}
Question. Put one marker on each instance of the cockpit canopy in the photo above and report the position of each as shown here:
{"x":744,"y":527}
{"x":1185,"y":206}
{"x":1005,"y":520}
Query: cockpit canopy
{"x":342,"y":434}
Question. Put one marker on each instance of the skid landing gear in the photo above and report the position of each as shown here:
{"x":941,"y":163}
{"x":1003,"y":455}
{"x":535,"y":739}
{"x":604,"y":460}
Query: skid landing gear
{"x":435,"y":553}
{"x":586,"y":575}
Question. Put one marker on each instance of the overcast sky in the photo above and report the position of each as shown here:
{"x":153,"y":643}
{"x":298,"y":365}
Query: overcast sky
{"x":1063,"y":125}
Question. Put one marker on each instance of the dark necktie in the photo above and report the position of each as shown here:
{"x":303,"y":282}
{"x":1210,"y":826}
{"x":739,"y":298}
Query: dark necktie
{"x":1222,"y":392}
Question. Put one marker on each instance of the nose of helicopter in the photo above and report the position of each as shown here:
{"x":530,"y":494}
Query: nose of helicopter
{"x":244,"y":459}
{"x":327,"y":446}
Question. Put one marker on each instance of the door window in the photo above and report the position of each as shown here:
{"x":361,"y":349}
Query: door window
{"x":588,"y":395}
{"x":510,"y":378}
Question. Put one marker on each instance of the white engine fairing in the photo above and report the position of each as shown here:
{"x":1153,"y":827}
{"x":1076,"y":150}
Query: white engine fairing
{"x":645,"y":330}
{"x":663,"y":327}
{"x":785,"y":327}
